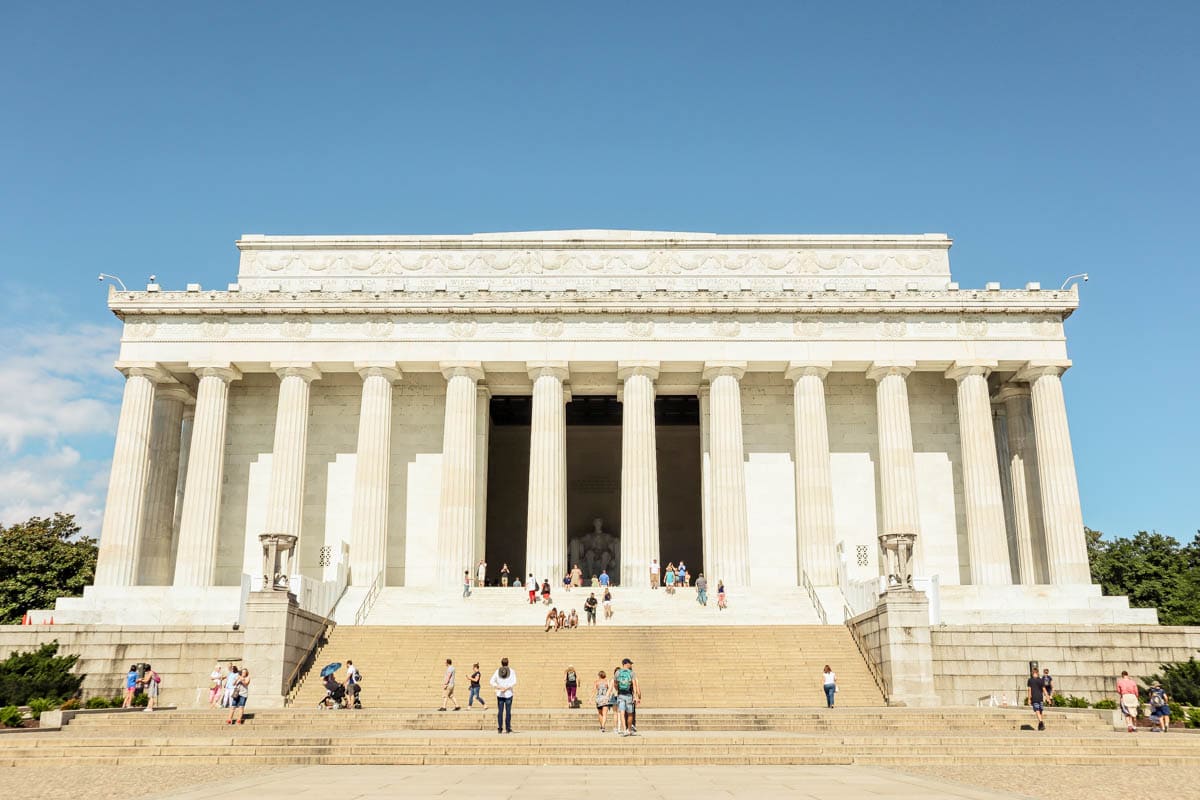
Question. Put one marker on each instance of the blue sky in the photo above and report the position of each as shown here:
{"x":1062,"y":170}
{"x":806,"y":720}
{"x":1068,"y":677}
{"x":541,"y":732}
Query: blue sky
{"x":1047,"y":139}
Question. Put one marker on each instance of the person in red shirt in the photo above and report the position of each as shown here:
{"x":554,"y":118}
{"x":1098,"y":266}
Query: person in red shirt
{"x":1127,"y":697}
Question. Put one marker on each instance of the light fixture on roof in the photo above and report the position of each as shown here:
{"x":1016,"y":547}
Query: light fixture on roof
{"x":120,"y":282}
{"x":1082,"y":275}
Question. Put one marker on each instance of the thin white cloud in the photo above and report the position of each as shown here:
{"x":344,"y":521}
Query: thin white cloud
{"x":59,"y":398}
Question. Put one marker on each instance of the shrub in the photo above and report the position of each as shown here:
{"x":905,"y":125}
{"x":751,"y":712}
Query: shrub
{"x":1107,"y":704}
{"x":1181,"y":681}
{"x":1076,"y":702}
{"x":97,"y":702}
{"x":10,"y":717}
{"x":116,"y":701}
{"x":71,"y":704}
{"x":1176,"y":710}
{"x":140,"y":700}
{"x":1059,"y":700}
{"x":1193,"y":718}
{"x":38,"y":673}
{"x":40,"y":704}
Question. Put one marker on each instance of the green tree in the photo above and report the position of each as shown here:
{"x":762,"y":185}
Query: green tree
{"x":1153,"y":570}
{"x":40,"y":561}
{"x":38,"y":673}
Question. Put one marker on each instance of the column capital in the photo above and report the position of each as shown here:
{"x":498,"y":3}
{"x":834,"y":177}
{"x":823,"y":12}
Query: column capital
{"x":627,"y":369}
{"x":1036,"y":369}
{"x":483,"y":392}
{"x":144,"y":369}
{"x":175,"y":391}
{"x":555,"y":369}
{"x":471,"y":369}
{"x":882,"y":369}
{"x":715,"y":369}
{"x":967,"y":368}
{"x":1009,"y":391}
{"x":382,"y":369}
{"x":215,"y":369}
{"x":296,"y":369}
{"x":801,"y":369}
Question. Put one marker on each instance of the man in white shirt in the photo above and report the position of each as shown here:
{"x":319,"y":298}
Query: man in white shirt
{"x":654,"y":573}
{"x":481,"y":571}
{"x":503,"y":680}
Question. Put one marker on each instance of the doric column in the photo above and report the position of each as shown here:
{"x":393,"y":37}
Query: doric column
{"x":1062,"y":517}
{"x":185,"y":452}
{"x":704,"y":395}
{"x":198,"y":524}
{"x":372,"y":472}
{"x":1023,"y":483}
{"x":897,"y":467}
{"x":816,"y":540}
{"x":456,"y":513}
{"x":987,"y":539}
{"x":639,"y":471}
{"x":120,"y":534}
{"x":729,"y":539}
{"x":285,"y":503}
{"x":158,"y":517}
{"x":546,"y":537}
{"x":483,"y":429}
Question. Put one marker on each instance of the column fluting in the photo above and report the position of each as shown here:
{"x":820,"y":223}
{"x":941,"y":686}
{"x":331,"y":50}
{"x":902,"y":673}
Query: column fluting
{"x":372,"y":472}
{"x":816,"y":539}
{"x":456,"y":513}
{"x":639,"y":471}
{"x":704,"y":395}
{"x":185,"y":454}
{"x":285,"y":503}
{"x":1024,"y":485}
{"x":158,"y":519}
{"x":546,"y":537}
{"x":987,"y":538}
{"x":200,"y":519}
{"x":730,"y":537}
{"x":120,"y":533}
{"x":1062,"y":516}
{"x":897,"y":466}
{"x":483,"y":428}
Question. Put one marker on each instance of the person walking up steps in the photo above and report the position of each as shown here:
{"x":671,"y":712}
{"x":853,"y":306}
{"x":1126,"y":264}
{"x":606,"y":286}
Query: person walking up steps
{"x":829,"y":685}
{"x":608,"y":612}
{"x":504,"y":680}
{"x":572,"y":682}
{"x":603,"y":694}
{"x":1127,"y":691}
{"x":627,"y":692}
{"x":532,"y":586}
{"x":589,"y":607}
{"x":473,"y":691}
{"x":721,"y":594}
{"x":448,"y":688}
{"x":466,"y":584}
{"x":1037,"y":696}
{"x":702,"y":590}
{"x":1160,"y":708}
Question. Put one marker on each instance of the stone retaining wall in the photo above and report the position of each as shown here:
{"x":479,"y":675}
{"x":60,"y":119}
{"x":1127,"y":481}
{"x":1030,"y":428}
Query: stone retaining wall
{"x":183,"y":656}
{"x":978,"y":661}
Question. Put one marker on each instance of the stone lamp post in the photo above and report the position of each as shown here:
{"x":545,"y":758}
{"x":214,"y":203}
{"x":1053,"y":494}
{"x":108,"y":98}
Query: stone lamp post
{"x":898,"y":557}
{"x":279,"y":550}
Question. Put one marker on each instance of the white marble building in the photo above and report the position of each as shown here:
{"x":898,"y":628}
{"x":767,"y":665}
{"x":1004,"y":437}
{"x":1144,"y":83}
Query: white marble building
{"x":761,"y":406}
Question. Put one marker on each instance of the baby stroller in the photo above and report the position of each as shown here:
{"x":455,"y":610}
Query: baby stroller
{"x":335,"y":694}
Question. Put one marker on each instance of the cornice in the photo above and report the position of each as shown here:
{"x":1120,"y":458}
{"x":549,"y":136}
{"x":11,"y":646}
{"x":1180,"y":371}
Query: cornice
{"x":1059,"y":303}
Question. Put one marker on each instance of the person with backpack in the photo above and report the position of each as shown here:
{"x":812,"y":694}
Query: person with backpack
{"x":150,"y":684}
{"x":504,"y":680}
{"x":702,"y":590}
{"x":572,"y":686}
{"x":589,"y":607}
{"x":353,"y":683}
{"x":627,"y":694}
{"x":1160,"y":708}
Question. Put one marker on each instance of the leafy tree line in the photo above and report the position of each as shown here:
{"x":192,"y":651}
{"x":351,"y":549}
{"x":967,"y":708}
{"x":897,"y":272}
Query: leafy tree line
{"x":1153,"y":570}
{"x":42,"y":560}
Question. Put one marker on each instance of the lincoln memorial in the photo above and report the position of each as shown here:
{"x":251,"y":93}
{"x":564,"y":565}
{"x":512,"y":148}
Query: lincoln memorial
{"x":762,"y":407}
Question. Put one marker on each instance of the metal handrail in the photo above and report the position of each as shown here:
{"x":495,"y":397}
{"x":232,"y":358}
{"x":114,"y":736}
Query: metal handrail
{"x":311,"y":650}
{"x":368,"y":602}
{"x":865,"y":652}
{"x":812,"y":595}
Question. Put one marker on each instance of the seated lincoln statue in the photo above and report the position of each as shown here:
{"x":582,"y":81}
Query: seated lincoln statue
{"x":596,"y":551}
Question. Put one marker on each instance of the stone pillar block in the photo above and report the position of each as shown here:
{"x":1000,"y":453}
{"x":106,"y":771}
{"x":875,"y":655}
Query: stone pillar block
{"x":906,"y":651}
